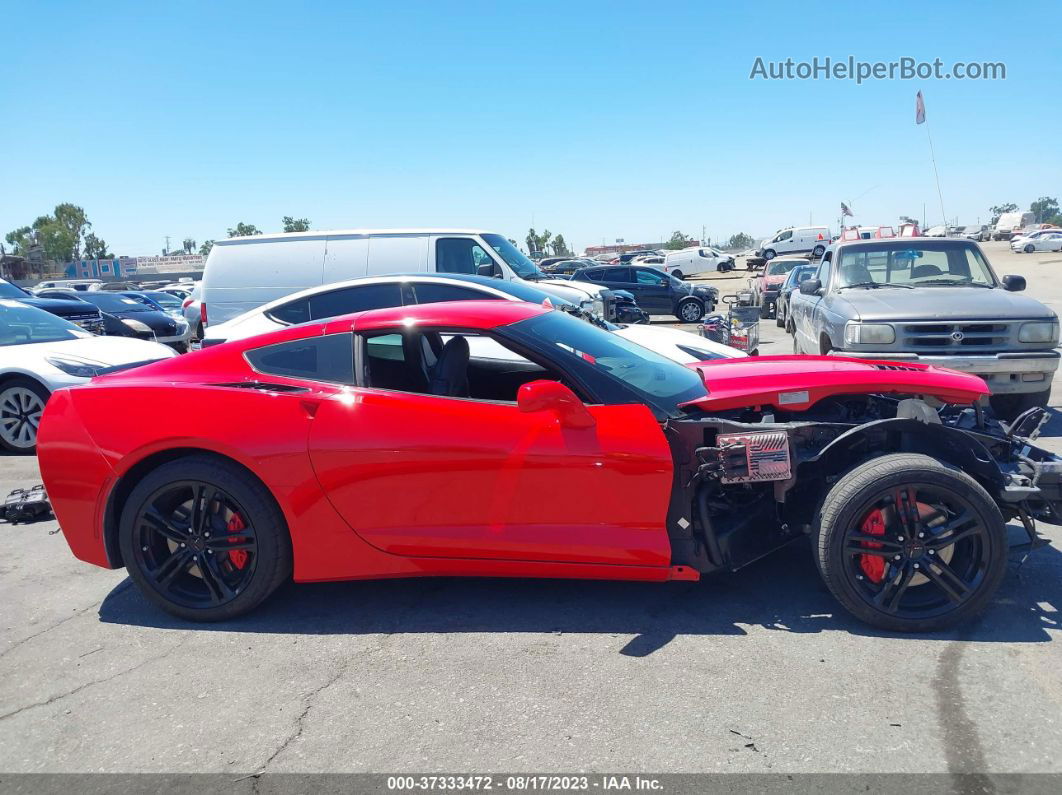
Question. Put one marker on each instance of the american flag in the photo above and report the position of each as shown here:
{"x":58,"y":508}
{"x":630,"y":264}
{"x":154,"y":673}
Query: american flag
{"x":844,"y":210}
{"x":920,"y":109}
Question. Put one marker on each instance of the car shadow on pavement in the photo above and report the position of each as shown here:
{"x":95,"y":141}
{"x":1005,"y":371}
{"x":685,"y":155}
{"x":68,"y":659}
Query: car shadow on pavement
{"x":782,"y":592}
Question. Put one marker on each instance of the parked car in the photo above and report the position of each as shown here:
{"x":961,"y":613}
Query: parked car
{"x":1008,"y":223}
{"x":801,"y":273}
{"x":164,"y":301}
{"x":424,"y":460}
{"x":796,"y":240}
{"x":192,"y":308}
{"x":626,"y":256}
{"x":245,"y":272}
{"x":936,"y":231}
{"x":766,"y":285}
{"x":70,"y":309}
{"x":40,"y":353}
{"x":74,"y":284}
{"x":695,"y":261}
{"x":1042,"y":240}
{"x":379,"y":292}
{"x":141,"y":320}
{"x":932,"y":301}
{"x":979,"y":232}
{"x":563,"y":267}
{"x":648,"y":259}
{"x":655,"y":291}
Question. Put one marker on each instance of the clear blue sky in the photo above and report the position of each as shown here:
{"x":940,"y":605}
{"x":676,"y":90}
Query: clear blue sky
{"x":597,"y":120}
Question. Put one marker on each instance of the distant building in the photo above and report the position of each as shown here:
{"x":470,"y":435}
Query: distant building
{"x":619,"y":248}
{"x":132,"y":266}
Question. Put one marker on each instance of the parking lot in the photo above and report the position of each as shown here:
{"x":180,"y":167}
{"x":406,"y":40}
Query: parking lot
{"x":759,"y":671}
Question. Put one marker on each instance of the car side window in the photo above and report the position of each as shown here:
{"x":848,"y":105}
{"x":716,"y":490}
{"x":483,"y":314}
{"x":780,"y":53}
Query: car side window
{"x":824,"y":273}
{"x":459,"y":255}
{"x":327,"y":358}
{"x":593,"y":275}
{"x":620,"y":275}
{"x":355,"y":299}
{"x":431,"y":293}
{"x":647,"y":277}
{"x":291,"y":313}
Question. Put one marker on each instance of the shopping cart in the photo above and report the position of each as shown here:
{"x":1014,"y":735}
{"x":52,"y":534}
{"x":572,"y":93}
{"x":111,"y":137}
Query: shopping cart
{"x":739,"y":327}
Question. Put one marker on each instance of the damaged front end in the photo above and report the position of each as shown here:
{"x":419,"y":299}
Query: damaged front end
{"x":750,"y":480}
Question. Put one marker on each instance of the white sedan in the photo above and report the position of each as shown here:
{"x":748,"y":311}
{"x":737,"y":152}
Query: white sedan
{"x":378,"y":292}
{"x":40,"y":353}
{"x":1042,"y":240}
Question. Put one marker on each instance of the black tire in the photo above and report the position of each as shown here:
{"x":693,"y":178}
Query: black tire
{"x":22,"y":401}
{"x":677,"y":274}
{"x":687,"y":308}
{"x":779,"y":316}
{"x":1030,"y":248}
{"x":1008,"y":407}
{"x":818,"y":251}
{"x":769,"y":254}
{"x":934,"y":601}
{"x":270,"y":563}
{"x":765,"y":311}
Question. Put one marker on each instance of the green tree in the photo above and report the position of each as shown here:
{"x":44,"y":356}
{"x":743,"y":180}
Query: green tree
{"x":73,"y":220}
{"x":205,"y":248}
{"x":1044,"y":208}
{"x":96,"y":248}
{"x":560,"y":247}
{"x":56,"y":239}
{"x":678,"y":241}
{"x":20,"y":240}
{"x":740,"y":241}
{"x":244,"y":230}
{"x":188,"y":245}
{"x":538,"y":243}
{"x":999,"y":209}
{"x":296,"y":224}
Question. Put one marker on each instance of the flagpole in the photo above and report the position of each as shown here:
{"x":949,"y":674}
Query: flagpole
{"x":920,"y":106}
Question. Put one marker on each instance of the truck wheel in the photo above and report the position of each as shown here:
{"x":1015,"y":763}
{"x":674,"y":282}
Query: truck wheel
{"x":907,"y":543}
{"x":769,"y":254}
{"x":1008,"y":407}
{"x":690,"y":310}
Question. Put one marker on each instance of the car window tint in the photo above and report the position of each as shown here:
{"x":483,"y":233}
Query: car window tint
{"x":328,"y":358}
{"x":430,"y":293}
{"x":618,"y":275}
{"x":355,"y":299}
{"x":292,"y":312}
{"x":647,"y":277}
{"x":459,"y":255}
{"x":593,"y":274}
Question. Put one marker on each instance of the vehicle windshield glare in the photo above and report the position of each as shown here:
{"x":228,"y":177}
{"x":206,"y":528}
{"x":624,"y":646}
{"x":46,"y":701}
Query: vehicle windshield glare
{"x":521,"y":265}
{"x":8,"y":290}
{"x":660,"y":381}
{"x":914,"y":264}
{"x":25,"y":325}
{"x":109,"y":302}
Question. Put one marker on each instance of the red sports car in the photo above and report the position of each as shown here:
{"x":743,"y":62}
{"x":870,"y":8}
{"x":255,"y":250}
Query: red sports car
{"x":507,"y":439}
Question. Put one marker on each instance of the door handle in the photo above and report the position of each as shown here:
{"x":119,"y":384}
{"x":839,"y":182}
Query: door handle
{"x":310,"y":406}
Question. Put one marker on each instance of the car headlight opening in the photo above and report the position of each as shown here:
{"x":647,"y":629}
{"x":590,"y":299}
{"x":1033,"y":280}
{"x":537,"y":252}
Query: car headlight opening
{"x":869,"y":334}
{"x":136,"y":325}
{"x":74,"y":367}
{"x":1043,"y":332}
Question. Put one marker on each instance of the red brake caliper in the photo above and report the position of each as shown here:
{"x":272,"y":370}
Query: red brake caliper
{"x":873,"y":566}
{"x":237,"y":556}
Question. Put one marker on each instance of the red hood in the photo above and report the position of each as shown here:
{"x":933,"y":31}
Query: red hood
{"x":797,"y":382}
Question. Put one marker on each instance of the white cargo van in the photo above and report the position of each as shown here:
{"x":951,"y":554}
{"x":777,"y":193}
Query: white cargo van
{"x":696,"y":260}
{"x":1009,"y":223}
{"x":243,"y":273}
{"x":796,"y":240}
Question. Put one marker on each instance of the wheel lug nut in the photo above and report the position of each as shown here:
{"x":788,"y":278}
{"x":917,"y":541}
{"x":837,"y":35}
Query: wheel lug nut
{"x":932,"y":552}
{"x":898,"y":557}
{"x":921,"y":535}
{"x":916,"y":565}
{"x":899,"y":538}
{"x":182,"y":543}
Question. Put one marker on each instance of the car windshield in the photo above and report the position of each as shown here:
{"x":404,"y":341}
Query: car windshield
{"x":9,"y":290}
{"x":914,"y":264}
{"x":25,"y":325}
{"x":110,"y":302}
{"x":521,"y":265}
{"x":660,"y":381}
{"x":798,"y":275}
{"x":781,"y":267}
{"x":165,"y":300}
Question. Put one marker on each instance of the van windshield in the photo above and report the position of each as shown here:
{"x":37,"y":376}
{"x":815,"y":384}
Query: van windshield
{"x":521,"y":265}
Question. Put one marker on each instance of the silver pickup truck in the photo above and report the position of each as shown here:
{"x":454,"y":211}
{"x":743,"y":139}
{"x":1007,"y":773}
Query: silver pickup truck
{"x":936,"y":301}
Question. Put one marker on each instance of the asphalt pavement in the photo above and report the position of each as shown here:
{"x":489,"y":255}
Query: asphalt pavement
{"x":759,"y":671}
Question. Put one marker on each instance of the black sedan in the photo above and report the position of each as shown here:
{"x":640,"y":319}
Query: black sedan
{"x":140,"y":319}
{"x":801,"y":273}
{"x":70,"y":309}
{"x":655,"y":291}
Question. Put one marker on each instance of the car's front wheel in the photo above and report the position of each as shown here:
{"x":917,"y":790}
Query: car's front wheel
{"x":907,"y":543}
{"x":769,"y":254}
{"x":21,"y":404}
{"x":203,"y":539}
{"x":1030,"y":248}
{"x":779,"y":316}
{"x":690,"y":310}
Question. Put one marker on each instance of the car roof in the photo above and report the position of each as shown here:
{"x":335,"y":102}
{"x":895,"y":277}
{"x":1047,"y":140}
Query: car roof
{"x":484,"y":315}
{"x":335,"y":233}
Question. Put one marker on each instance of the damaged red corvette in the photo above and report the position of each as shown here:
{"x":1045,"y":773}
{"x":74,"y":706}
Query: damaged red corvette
{"x":496,"y":438}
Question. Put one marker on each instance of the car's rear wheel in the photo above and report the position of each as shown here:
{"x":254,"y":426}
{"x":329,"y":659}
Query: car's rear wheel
{"x":21,"y":404}
{"x":769,"y":254}
{"x":677,"y":274}
{"x":907,"y":543}
{"x":204,"y":540}
{"x":1008,"y":407}
{"x":690,"y":310}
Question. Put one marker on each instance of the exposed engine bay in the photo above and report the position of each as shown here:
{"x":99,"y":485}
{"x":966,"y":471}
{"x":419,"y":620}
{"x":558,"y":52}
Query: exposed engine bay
{"x":751,"y":480}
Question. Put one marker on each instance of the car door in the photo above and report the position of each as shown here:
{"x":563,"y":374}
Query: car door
{"x":426,"y":475}
{"x":809,"y":310}
{"x":652,"y":290}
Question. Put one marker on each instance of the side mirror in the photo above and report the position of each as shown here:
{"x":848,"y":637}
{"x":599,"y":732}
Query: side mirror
{"x":1014,"y":284}
{"x":556,"y":397}
{"x":488,"y":269}
{"x":810,"y":287}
